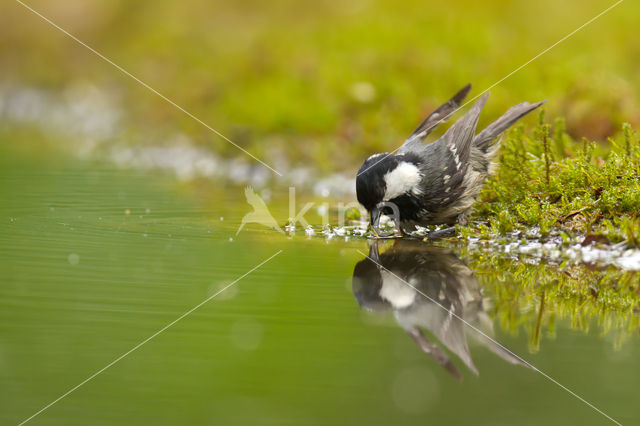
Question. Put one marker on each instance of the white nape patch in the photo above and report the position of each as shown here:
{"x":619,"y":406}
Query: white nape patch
{"x":376,"y":156}
{"x":396,"y":291}
{"x":404,"y":178}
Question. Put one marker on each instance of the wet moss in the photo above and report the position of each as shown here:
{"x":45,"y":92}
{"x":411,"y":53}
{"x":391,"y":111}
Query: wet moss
{"x":534,"y":295}
{"x":580,"y":188}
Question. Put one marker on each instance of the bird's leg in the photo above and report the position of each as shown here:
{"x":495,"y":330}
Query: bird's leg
{"x":462,"y":219}
{"x":377,"y":236}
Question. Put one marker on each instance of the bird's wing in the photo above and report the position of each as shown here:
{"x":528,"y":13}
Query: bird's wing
{"x":436,"y":353}
{"x":432,"y":121}
{"x":444,"y":162}
{"x":458,"y":137}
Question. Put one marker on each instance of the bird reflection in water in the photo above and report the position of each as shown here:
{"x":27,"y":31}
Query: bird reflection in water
{"x":428,"y":288}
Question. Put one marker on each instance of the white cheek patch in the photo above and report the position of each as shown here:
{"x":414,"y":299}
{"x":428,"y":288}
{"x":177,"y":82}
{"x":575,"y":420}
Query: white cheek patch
{"x":401,"y":180}
{"x":396,"y":291}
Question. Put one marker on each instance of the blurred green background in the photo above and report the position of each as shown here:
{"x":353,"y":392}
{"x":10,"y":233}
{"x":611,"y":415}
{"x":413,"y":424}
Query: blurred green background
{"x":325,"y":83}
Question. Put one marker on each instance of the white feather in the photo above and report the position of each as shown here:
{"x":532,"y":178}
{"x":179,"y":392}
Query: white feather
{"x":396,"y":291}
{"x":404,"y":178}
{"x":376,"y":156}
{"x":454,"y":151}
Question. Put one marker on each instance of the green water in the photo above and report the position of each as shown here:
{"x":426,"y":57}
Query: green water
{"x":94,"y":260}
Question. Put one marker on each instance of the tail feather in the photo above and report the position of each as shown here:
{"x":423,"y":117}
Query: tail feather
{"x":504,"y":353}
{"x":484,"y":138}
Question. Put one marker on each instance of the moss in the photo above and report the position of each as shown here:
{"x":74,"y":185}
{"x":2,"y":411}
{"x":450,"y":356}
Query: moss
{"x":534,"y":296}
{"x":584,"y":189}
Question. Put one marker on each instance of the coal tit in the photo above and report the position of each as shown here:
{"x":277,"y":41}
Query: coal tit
{"x":435,"y":183}
{"x":428,"y":288}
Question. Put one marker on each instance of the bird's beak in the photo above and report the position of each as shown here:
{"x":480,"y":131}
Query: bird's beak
{"x":374,"y":253}
{"x":375,"y":218}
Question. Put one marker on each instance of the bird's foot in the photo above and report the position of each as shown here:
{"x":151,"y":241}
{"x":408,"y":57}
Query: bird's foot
{"x":377,"y":236}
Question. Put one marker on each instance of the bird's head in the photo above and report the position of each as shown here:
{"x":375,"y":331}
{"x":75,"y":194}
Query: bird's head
{"x":384,"y":177}
{"x":371,"y":186}
{"x":366,"y":284}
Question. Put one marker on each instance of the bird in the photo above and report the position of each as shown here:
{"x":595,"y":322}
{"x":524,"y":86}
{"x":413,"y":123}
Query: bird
{"x":436,"y":183}
{"x":260,"y":213}
{"x":429,"y":288}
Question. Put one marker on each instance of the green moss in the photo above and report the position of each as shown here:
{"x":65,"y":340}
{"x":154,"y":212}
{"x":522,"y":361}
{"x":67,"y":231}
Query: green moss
{"x":589,"y":189}
{"x":533,"y":296}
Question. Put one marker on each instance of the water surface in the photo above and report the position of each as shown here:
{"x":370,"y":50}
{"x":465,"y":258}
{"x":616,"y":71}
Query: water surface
{"x":94,"y":260}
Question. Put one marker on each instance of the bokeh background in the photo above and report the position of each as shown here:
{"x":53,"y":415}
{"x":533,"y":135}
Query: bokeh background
{"x":323,"y":83}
